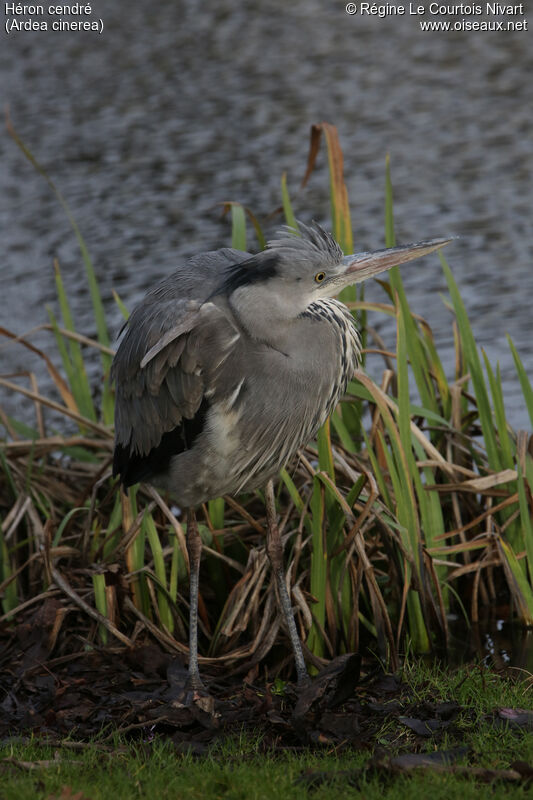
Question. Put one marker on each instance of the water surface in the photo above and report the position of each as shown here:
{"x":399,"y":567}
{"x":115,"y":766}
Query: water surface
{"x":179,"y":106}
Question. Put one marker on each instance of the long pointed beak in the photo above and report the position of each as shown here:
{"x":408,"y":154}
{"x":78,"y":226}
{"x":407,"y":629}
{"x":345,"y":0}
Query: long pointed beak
{"x":361,"y":266}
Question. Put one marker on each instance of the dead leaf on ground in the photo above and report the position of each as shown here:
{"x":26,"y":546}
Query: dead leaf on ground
{"x":67,"y":793}
{"x":515,"y":718}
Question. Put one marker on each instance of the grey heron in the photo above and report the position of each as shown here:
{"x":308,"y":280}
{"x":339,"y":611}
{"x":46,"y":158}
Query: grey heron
{"x":231,"y":364}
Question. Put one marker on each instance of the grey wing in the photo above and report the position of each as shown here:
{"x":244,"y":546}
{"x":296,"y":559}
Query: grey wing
{"x":164,"y":368}
{"x":162,"y":399}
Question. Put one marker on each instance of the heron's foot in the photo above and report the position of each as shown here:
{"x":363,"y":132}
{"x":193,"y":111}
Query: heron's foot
{"x":195,"y":693}
{"x":194,"y":683}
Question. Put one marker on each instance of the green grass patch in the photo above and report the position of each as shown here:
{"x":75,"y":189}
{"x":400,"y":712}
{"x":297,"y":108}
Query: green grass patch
{"x":248,"y":766}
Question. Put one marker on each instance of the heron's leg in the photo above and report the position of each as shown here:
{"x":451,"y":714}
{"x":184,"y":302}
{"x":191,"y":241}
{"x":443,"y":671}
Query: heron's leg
{"x":194,"y":549}
{"x":275,"y":553}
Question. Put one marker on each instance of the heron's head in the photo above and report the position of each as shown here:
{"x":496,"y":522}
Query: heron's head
{"x":301,"y":266}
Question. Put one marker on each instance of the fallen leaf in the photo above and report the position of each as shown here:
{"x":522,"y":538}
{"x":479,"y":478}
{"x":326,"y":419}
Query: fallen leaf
{"x":423,"y":727}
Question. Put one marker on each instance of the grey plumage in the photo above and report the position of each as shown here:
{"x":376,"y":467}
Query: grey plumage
{"x":233,"y":362}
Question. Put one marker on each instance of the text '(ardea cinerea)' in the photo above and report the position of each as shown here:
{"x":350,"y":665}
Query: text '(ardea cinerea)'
{"x":231,"y":364}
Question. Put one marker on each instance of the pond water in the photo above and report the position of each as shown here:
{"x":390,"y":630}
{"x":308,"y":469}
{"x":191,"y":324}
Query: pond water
{"x":178,"y":107}
{"x":495,"y":643}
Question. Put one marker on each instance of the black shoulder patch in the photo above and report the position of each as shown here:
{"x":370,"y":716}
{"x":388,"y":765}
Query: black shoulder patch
{"x":132,"y":467}
{"x":260,"y":267}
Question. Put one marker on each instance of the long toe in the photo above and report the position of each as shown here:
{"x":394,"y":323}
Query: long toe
{"x":195,"y":693}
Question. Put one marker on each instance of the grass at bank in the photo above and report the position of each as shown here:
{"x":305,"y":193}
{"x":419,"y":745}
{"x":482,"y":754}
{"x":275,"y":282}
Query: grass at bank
{"x":244,"y":767}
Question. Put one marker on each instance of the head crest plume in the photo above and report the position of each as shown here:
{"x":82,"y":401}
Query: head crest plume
{"x":306,"y":242}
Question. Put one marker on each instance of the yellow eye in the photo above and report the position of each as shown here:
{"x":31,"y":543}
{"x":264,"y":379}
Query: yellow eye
{"x":319,"y":277}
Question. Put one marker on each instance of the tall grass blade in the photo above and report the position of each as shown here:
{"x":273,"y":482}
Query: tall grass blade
{"x":100,"y":601}
{"x":290,"y":219}
{"x":495,"y":383}
{"x":475,"y":369}
{"x":526,"y":523}
{"x":416,"y":351}
{"x":343,"y":431}
{"x":118,"y":300}
{"x":527,"y":389}
{"x":77,"y":374}
{"x":113,"y":532}
{"x":340,"y":208}
{"x":238,"y":226}
{"x":257,"y":228}
{"x":216,"y":512}
{"x":152,"y":536}
{"x":325,"y":454}
{"x":135,"y":552}
{"x":174,"y":567}
{"x":319,"y":566}
{"x":10,"y":598}
{"x":8,"y":474}
{"x":292,"y":490}
{"x":518,"y":582}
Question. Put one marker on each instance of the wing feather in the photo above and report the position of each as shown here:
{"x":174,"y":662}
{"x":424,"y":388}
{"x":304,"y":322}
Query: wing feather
{"x":163,"y":372}
{"x":176,"y":332}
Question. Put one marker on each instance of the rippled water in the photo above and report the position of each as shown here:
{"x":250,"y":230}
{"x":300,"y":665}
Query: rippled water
{"x":177,"y":107}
